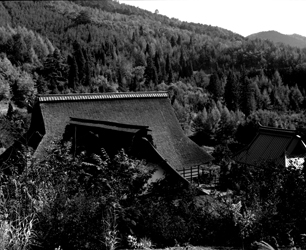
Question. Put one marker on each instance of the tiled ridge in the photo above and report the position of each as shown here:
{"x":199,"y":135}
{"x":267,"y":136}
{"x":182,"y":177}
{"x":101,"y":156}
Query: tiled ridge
{"x":101,"y":96}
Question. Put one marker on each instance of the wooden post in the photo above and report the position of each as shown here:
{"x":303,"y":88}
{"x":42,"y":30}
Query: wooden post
{"x":198,"y":175}
{"x":75,"y":140}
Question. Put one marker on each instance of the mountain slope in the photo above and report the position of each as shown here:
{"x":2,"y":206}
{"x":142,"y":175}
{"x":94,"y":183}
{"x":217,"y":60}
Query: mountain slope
{"x":294,"y":40}
{"x":102,"y":46}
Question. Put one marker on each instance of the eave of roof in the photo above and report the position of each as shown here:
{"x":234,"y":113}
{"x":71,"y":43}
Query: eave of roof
{"x":168,"y":166}
{"x":107,"y":125}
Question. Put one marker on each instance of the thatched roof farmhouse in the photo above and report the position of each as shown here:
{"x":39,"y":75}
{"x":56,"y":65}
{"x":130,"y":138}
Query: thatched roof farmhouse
{"x":148,"y":114}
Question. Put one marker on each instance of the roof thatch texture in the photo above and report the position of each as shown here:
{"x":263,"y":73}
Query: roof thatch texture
{"x":152,"y":109}
{"x":272,"y":144}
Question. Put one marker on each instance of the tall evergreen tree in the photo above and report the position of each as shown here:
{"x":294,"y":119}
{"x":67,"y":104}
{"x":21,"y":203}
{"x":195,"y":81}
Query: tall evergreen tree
{"x":248,"y":97}
{"x":280,"y":93}
{"x":157,"y":65}
{"x":215,"y":86}
{"x":150,"y":74}
{"x":73,"y":75}
{"x":88,"y":69}
{"x":169,"y":71}
{"x":148,"y":50}
{"x":80,"y":60}
{"x":179,"y":40}
{"x":183,"y":65}
{"x":265,"y":100}
{"x":20,"y":52}
{"x":189,"y":68}
{"x":296,"y":98}
{"x":54,"y":71}
{"x":89,"y":38}
{"x":231,"y":91}
{"x":172,"y":41}
{"x":141,"y":32}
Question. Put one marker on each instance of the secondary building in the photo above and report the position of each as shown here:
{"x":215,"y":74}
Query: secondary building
{"x":283,"y":146}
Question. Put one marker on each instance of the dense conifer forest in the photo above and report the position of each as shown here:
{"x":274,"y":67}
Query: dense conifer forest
{"x":221,"y":86}
{"x":217,"y":79}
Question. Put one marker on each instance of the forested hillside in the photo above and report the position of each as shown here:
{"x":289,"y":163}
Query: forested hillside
{"x":220,"y":83}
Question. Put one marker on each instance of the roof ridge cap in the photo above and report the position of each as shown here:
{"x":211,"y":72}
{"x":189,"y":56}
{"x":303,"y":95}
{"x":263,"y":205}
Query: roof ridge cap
{"x":101,"y":96}
{"x":266,"y":128}
{"x":104,"y":93}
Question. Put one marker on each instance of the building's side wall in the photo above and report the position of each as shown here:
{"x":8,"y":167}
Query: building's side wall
{"x":294,"y":161}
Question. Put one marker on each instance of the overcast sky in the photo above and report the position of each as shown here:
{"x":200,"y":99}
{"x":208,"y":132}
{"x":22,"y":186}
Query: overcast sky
{"x":244,"y":17}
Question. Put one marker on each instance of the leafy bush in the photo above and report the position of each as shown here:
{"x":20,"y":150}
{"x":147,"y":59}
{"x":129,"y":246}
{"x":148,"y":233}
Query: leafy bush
{"x":86,"y":201}
{"x":272,"y":198}
{"x":174,"y":214}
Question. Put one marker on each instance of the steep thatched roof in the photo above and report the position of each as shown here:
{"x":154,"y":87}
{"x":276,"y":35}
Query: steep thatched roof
{"x":152,"y":109}
{"x":272,"y":144}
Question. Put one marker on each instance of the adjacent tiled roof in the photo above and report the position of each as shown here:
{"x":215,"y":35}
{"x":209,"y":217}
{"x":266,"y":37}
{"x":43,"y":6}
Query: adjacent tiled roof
{"x":271,"y":144}
{"x":152,"y":109}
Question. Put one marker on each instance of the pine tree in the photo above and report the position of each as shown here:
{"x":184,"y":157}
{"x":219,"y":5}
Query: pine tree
{"x":189,"y":68}
{"x":10,"y":111}
{"x":157,"y":66}
{"x":54,"y":71}
{"x":265,"y":100}
{"x":280,"y":93}
{"x":179,"y":40}
{"x":296,"y":98}
{"x":225,"y":129}
{"x":73,"y":75}
{"x":20,"y":52}
{"x":172,"y":41}
{"x":169,"y":71}
{"x":183,"y":66}
{"x":148,"y":50}
{"x":150,"y":74}
{"x":80,"y":60}
{"x":276,"y":79}
{"x":88,"y":67}
{"x":89,"y":38}
{"x":248,"y":97}
{"x":141,"y":32}
{"x":231,"y":91}
{"x":215,"y":86}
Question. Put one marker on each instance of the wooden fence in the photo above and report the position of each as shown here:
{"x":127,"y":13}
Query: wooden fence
{"x":208,"y":174}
